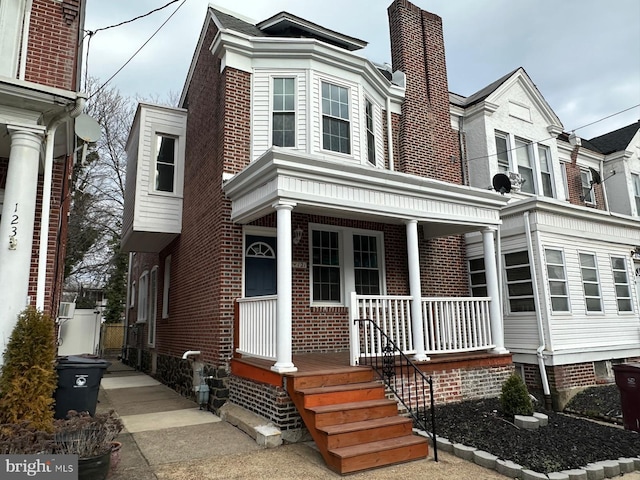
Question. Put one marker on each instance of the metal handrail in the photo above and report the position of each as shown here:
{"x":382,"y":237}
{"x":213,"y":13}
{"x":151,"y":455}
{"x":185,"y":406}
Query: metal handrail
{"x":394,"y":361}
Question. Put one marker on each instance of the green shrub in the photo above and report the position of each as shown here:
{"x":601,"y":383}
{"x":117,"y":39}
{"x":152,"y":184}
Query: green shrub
{"x":515,"y":398}
{"x":29,"y":378}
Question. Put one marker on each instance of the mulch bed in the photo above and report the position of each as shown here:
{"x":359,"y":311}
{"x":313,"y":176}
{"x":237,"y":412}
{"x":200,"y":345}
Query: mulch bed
{"x":567,"y":442}
{"x":601,"y":402}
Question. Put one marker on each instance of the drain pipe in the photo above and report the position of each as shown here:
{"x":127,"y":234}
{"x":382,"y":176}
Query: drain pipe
{"x":70,"y":112}
{"x":536,"y":299}
{"x":390,"y":135}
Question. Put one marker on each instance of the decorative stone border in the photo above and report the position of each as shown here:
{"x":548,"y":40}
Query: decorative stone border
{"x":592,"y":471}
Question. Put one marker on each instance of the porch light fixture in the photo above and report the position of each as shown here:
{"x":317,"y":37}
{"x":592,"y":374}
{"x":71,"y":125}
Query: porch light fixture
{"x":297,"y":235}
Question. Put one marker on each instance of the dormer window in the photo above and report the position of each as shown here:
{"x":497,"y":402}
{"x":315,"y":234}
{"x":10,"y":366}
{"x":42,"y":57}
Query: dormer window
{"x":335,"y":118}
{"x":165,"y":164}
{"x":284,"y":115}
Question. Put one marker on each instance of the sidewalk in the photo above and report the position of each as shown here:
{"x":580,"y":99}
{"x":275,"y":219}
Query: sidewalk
{"x":166,"y":437}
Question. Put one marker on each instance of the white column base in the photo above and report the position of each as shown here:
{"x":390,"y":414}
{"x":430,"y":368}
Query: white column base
{"x":500,"y":350}
{"x":421,"y":358}
{"x":284,"y":368}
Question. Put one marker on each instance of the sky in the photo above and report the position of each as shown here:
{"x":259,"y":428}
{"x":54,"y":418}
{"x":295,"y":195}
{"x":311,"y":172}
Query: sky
{"x":583,"y":55}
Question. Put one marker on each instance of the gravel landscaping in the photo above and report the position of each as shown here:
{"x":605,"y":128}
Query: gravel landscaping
{"x":567,"y":442}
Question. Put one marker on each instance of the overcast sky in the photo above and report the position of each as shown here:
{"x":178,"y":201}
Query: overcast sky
{"x":583,"y":55}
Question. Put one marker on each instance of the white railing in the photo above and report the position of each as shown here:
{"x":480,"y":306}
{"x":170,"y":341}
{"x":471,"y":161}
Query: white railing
{"x":459,"y":324}
{"x":257,"y":327}
{"x":450,"y":324}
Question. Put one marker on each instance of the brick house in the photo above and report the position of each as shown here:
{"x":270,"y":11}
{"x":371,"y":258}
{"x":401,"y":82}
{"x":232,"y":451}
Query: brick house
{"x":570,"y":286}
{"x":39,"y":79}
{"x":298,"y":189}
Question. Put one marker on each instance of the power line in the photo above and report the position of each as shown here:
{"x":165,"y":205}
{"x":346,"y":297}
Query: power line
{"x":93,"y":32}
{"x":139,"y":49}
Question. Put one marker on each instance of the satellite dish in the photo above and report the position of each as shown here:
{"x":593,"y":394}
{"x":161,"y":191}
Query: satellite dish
{"x":501,"y":183}
{"x":595,"y":177}
{"x":87,"y":128}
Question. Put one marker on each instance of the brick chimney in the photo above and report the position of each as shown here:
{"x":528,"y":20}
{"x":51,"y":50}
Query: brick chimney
{"x":428,"y":145}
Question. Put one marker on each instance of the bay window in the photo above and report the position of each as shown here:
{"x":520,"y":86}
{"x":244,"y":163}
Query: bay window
{"x":284,"y":116}
{"x":336,"y":126}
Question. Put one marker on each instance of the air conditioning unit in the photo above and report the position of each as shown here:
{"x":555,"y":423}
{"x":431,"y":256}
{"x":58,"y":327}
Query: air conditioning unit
{"x":516,"y":180}
{"x":66,"y":310}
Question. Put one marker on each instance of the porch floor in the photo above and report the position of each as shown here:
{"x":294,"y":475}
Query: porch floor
{"x":315,"y":363}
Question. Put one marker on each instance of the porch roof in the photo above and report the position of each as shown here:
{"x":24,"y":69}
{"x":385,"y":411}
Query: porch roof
{"x":318,"y":185}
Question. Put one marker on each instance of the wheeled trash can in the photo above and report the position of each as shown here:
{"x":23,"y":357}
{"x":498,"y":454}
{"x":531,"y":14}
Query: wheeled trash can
{"x":628,"y":381}
{"x":78,"y":384}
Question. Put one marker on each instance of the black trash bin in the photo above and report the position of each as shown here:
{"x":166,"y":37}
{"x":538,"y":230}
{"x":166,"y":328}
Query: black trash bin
{"x":628,"y":381}
{"x":78,"y":384}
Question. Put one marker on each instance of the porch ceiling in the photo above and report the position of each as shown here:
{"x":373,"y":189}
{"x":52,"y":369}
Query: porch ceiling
{"x":317,"y":185}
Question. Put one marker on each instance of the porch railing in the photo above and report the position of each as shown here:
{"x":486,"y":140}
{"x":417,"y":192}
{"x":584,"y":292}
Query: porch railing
{"x":450,"y":324}
{"x":257,"y":326}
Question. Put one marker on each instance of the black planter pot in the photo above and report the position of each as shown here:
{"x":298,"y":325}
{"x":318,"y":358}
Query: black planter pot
{"x":94,"y":468}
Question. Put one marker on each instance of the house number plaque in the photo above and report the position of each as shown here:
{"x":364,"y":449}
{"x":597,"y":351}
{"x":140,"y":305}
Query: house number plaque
{"x":299,"y":264}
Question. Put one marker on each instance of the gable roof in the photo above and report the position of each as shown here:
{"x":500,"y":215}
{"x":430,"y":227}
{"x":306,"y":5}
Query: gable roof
{"x":231,"y":22}
{"x":483,"y":93}
{"x":615,"y":141}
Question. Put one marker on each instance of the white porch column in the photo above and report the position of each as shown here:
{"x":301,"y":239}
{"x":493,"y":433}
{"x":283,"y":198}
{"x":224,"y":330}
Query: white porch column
{"x":17,"y":226}
{"x":493,"y":290}
{"x":413,"y":257}
{"x":284,"y":360}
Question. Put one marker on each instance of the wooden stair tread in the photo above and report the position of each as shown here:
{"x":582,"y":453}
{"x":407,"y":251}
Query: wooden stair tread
{"x":338,"y":407}
{"x":339,"y":388}
{"x":378,"y":446}
{"x":363,"y":425}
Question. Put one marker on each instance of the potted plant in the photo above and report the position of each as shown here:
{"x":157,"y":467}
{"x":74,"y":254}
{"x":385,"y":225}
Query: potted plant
{"x":92,"y":438}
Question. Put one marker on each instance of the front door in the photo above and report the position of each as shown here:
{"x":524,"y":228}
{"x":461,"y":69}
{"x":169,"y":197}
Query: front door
{"x":260,"y":266}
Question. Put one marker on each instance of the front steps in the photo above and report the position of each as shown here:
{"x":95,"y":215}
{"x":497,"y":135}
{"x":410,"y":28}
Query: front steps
{"x":352,"y":422}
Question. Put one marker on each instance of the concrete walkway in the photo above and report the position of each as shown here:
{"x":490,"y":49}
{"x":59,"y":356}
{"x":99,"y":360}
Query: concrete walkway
{"x":167,"y":437}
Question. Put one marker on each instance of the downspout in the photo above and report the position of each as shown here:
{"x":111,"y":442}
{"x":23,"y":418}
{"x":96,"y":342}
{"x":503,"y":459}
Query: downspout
{"x":463,"y":170}
{"x":127,"y":309}
{"x":389,"y":134}
{"x":69,"y":113}
{"x":24,"y":45}
{"x":536,"y":299}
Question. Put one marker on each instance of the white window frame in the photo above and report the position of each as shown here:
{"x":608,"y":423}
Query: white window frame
{"x":158,"y":137}
{"x":588,"y":195}
{"x":370,"y":130}
{"x":132,"y":300}
{"x":330,"y":116}
{"x":346,"y":261}
{"x":635,"y":177}
{"x":541,"y":147}
{"x":166,"y":287}
{"x":284,"y":111}
{"x":626,"y":283}
{"x":590,"y":282}
{"x":143,"y":297}
{"x":153,"y":306}
{"x":563,"y":280}
{"x":523,"y":147}
{"x":502,"y":167}
{"x":509,"y":282}
{"x":475,"y":274}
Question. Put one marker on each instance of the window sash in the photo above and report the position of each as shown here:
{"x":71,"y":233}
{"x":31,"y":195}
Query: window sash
{"x":478,"y":277}
{"x":336,"y":126}
{"x":371,"y":140}
{"x":636,"y":185}
{"x":519,"y":283}
{"x":557,"y":279}
{"x":502,"y":152}
{"x":153,"y":306}
{"x":284,"y":116}
{"x":166,"y":287}
{"x":590,"y":282}
{"x":621,"y":284}
{"x":365,"y":265}
{"x":325,"y":260}
{"x":143,"y":293}
{"x":525,"y":166}
{"x":587,"y":191}
{"x":544,"y":160}
{"x":165,"y":163}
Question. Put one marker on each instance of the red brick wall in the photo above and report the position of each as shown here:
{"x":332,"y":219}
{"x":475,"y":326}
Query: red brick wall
{"x":574,"y":183}
{"x":52,"y":57}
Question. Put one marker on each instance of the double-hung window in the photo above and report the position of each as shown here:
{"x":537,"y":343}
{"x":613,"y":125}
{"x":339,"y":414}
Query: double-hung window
{"x":325,"y":259}
{"x":544,"y":160}
{"x":587,"y":187}
{"x":525,"y":166}
{"x":284,"y":115}
{"x":165,"y":164}
{"x":143,"y":297}
{"x":152,"y":309}
{"x":636,"y":190}
{"x":502,"y":152}
{"x":557,"y":278}
{"x":590,"y":282}
{"x":621,"y":282}
{"x":336,"y":125}
{"x":345,"y":260}
{"x":478,"y":277}
{"x":371,"y":139}
{"x":519,"y":284}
